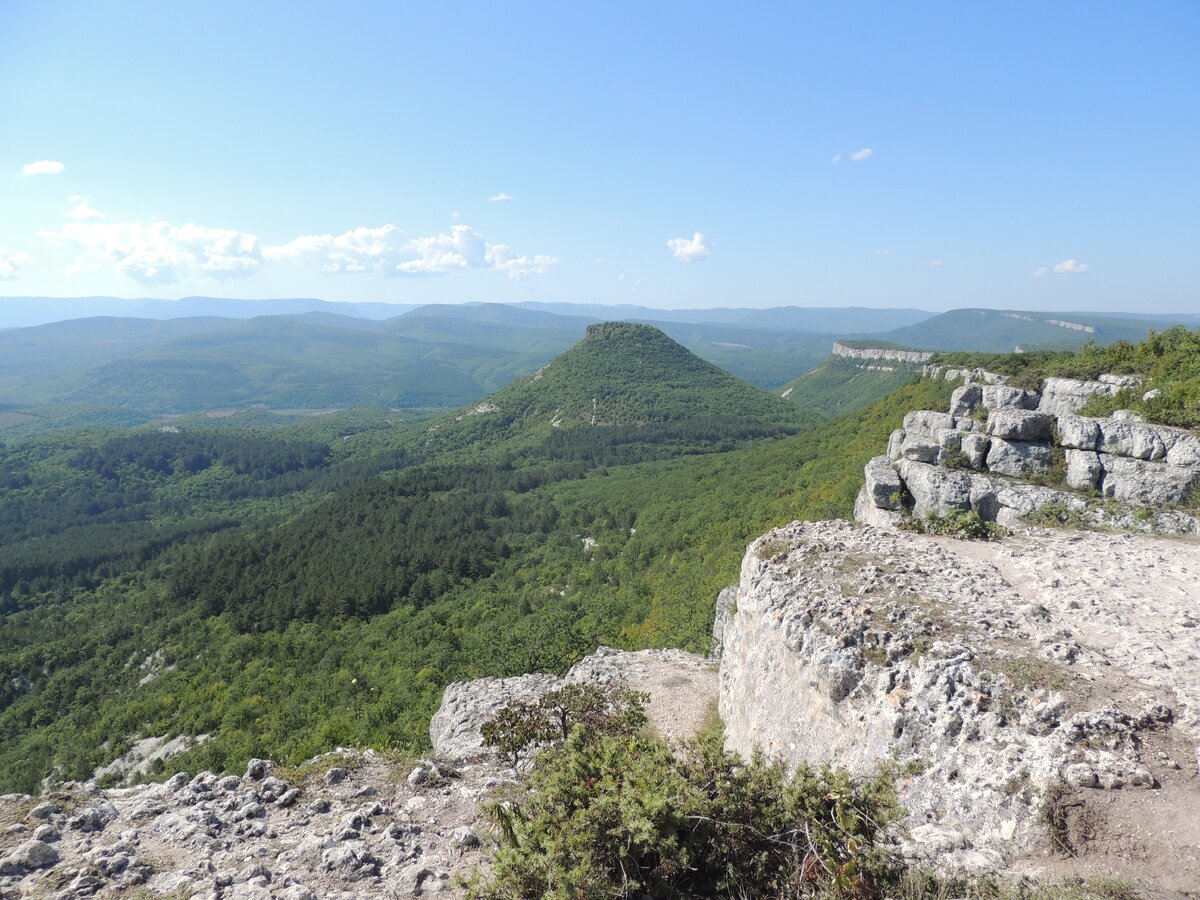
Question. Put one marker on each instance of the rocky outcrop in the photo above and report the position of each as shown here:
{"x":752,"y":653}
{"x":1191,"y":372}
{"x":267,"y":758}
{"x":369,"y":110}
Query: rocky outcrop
{"x":681,"y":687}
{"x":347,"y":824}
{"x":995,"y":437}
{"x":912,"y":357}
{"x":725,"y":608}
{"x":1002,"y":677}
{"x":1062,"y":396}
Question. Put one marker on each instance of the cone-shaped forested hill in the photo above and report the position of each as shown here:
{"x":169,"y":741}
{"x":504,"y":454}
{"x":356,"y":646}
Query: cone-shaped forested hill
{"x":627,"y":375}
{"x":462,"y":506}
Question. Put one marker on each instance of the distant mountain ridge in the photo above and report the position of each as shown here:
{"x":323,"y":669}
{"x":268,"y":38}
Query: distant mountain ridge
{"x":1005,"y":330}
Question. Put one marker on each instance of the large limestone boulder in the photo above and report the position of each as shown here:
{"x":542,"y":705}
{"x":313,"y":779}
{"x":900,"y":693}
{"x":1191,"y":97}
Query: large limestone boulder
{"x":1084,"y":469}
{"x":1065,"y":396}
{"x":1018,"y":458}
{"x":976,"y":446}
{"x":927,"y":420}
{"x":868,"y":513}
{"x":965,"y":399}
{"x":935,"y":490}
{"x":883,"y":483}
{"x":1124,"y":436}
{"x":1078,"y":432}
{"x":466,"y":706}
{"x":1146,"y":483}
{"x":1001,"y":396}
{"x":1008,"y":670}
{"x":1185,"y":450}
{"x":1020,"y":425}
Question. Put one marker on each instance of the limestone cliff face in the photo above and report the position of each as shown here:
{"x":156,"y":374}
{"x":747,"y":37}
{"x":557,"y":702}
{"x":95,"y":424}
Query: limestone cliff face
{"x":980,"y":454}
{"x":902,"y":356}
{"x":1002,"y":671}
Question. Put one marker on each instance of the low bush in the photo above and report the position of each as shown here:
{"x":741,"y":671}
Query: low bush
{"x":958,"y":523}
{"x":619,"y":816}
{"x":521,"y":728}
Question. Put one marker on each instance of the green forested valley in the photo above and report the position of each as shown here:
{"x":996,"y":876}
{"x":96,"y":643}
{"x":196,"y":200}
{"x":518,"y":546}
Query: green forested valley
{"x":287,"y":591}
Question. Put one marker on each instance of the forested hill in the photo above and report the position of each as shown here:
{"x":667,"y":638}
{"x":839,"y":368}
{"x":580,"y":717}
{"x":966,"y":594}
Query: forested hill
{"x":621,"y":375}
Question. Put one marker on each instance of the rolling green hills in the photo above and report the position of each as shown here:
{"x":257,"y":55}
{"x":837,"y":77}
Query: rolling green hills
{"x":132,"y":370}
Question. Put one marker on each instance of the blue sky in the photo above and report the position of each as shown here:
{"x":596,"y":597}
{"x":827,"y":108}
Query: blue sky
{"x":1025,"y":155}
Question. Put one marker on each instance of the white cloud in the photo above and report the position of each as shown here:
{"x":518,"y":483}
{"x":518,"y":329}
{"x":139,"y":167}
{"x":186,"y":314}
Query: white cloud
{"x":11,"y":263}
{"x":837,"y":158}
{"x":1070,"y":267}
{"x":81,"y":209}
{"x":691,"y":249}
{"x":157,"y":252}
{"x":862,"y":155}
{"x":935,"y":264}
{"x":1041,"y":271}
{"x":500,"y":197}
{"x":42,"y":167}
{"x":883,"y":252}
{"x":390,"y":251}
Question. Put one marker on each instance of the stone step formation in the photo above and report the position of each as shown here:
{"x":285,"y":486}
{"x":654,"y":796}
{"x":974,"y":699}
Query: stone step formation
{"x":1005,"y":452}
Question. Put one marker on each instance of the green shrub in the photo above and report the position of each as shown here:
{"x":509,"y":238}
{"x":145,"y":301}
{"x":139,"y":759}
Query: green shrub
{"x":1058,"y":514}
{"x":1055,"y":474}
{"x":520,"y":728}
{"x":605,"y":816}
{"x":958,"y":523}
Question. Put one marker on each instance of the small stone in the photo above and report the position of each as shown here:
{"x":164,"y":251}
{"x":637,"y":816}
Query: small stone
{"x":29,"y":857}
{"x":289,"y":797}
{"x":1080,"y":774}
{"x":464,"y":837}
{"x":43,"y":811}
{"x":320,"y":805}
{"x":257,"y":769}
{"x":257,"y":870}
{"x":417,"y":776}
{"x":336,"y":775}
{"x":251,"y":810}
{"x":46,"y":833}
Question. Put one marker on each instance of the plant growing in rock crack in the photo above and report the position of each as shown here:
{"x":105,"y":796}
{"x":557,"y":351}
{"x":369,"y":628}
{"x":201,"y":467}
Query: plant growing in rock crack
{"x":1055,"y":816}
{"x":958,"y":523}
{"x":956,"y":459}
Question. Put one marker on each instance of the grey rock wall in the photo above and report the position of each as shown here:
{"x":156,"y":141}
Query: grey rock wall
{"x":942,"y":461}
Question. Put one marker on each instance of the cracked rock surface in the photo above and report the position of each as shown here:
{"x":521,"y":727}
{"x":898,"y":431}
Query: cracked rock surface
{"x":1049,"y":669}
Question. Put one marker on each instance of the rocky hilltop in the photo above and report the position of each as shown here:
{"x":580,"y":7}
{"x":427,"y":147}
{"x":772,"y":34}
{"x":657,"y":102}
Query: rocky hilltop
{"x":1036,"y":693}
{"x":1005,"y":452}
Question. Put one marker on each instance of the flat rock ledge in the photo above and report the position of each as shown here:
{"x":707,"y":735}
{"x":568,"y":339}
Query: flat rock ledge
{"x":1050,"y":671}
